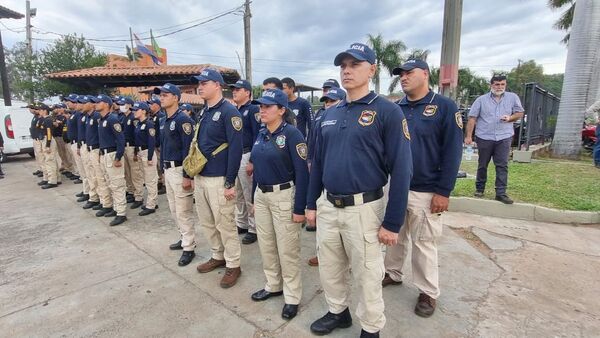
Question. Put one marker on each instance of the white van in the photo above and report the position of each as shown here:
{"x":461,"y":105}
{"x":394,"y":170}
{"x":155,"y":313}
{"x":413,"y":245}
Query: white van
{"x":15,"y":121}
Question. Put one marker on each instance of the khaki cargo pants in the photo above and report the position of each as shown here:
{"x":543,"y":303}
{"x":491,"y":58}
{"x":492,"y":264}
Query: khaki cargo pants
{"x":279,"y":242}
{"x":134,"y":174}
{"x":115,"y":178}
{"x":347,"y":239}
{"x":243,"y":195}
{"x":89,"y":174}
{"x":80,"y":169}
{"x":51,"y":161}
{"x":150,"y":178}
{"x":423,"y":229}
{"x":101,"y":185}
{"x":180,"y":204}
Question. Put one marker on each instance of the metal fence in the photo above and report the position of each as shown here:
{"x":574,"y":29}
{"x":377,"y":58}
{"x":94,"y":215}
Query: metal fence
{"x":539,"y":122}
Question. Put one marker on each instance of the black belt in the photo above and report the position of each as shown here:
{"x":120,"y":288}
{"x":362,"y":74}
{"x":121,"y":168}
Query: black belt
{"x":143,"y":148}
{"x":342,"y":201}
{"x":105,"y":151}
{"x":90,"y":148}
{"x":246,"y":150}
{"x":172,"y":164}
{"x":271,"y":188}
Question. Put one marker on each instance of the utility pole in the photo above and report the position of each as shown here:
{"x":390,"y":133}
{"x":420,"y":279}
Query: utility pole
{"x":247,"y":41}
{"x":28,"y":16}
{"x":450,"y":48}
{"x":133,"y":58}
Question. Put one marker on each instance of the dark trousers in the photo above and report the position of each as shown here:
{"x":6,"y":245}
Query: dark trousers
{"x":498,"y":151}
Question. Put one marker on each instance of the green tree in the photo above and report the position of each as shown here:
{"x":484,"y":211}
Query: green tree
{"x":566,"y":19}
{"x":553,"y":83}
{"x":470,"y":86}
{"x":67,"y":53}
{"x":389,"y":56}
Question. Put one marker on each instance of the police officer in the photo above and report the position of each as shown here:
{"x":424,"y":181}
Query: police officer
{"x":331,"y":96}
{"x":281,"y":174}
{"x":60,"y":134}
{"x":92,"y":199}
{"x":176,"y":130}
{"x":242,"y":93}
{"x":187,"y":108}
{"x":94,"y":169}
{"x":272,"y":83}
{"x":214,"y":187}
{"x":50,"y":150}
{"x":72,"y":134}
{"x":112,"y":148}
{"x":156,"y":114}
{"x":298,"y":105}
{"x":435,"y":126}
{"x":133,"y":169}
{"x":145,"y":134}
{"x":359,"y":143}
{"x":34,"y":131}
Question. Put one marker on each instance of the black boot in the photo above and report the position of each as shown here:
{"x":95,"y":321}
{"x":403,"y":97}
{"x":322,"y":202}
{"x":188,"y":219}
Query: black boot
{"x":330,"y":322}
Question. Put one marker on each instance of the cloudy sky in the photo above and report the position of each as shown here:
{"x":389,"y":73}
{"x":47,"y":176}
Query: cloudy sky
{"x":300,"y":38}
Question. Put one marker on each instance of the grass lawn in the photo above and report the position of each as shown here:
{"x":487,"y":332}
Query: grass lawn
{"x":561,"y":184}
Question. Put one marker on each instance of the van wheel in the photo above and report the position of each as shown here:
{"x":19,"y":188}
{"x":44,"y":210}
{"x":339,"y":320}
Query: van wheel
{"x":32,"y":154}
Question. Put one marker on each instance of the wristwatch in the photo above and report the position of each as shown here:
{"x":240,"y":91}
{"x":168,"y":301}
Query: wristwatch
{"x":228,"y":185}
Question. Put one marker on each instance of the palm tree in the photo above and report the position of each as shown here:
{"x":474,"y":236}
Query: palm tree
{"x":416,"y":54}
{"x":389,"y":55}
{"x":582,"y":59}
{"x":566,"y":19}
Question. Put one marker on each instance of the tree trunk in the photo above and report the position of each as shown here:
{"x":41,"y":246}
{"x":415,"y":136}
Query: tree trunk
{"x":581,"y":59}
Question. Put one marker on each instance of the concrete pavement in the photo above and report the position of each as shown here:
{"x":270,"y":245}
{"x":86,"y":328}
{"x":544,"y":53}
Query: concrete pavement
{"x":64,"y":272}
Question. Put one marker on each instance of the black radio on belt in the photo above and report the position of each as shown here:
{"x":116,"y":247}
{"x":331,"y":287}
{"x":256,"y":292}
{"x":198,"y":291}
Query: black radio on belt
{"x":342,"y":201}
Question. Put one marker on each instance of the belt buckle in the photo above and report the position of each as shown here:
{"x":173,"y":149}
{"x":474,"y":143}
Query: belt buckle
{"x":338,"y":202}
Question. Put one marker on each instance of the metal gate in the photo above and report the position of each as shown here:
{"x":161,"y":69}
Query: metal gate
{"x":539,"y":121}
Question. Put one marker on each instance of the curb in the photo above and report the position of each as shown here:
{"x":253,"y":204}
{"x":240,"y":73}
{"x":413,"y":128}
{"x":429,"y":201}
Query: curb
{"x":524,"y":211}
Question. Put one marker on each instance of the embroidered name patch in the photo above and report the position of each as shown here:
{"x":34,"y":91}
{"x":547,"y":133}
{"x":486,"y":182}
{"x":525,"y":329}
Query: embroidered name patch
{"x":328,"y":123}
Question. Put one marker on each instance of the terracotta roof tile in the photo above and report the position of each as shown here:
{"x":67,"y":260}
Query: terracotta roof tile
{"x":137,"y":71}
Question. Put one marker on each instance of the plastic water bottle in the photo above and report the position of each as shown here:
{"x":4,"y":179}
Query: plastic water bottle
{"x":469,"y":152}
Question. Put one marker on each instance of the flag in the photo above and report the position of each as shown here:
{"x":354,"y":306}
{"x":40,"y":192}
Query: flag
{"x":145,"y":50}
{"x":155,"y":46}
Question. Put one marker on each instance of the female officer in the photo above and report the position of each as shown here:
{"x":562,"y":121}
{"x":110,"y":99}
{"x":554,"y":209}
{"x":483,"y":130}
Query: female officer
{"x":281,"y":176}
{"x":144,"y":148}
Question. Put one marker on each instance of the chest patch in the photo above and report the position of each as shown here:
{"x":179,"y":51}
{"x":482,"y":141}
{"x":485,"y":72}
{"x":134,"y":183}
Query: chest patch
{"x":142,"y":127}
{"x":172,"y":125}
{"x":296,"y":111}
{"x":91,"y":122}
{"x":83,"y":119}
{"x":216,"y":116}
{"x":128,"y":122}
{"x":245,"y":112}
{"x":430,"y":110}
{"x":367,"y":117}
{"x":280,"y":141}
{"x":104,"y":123}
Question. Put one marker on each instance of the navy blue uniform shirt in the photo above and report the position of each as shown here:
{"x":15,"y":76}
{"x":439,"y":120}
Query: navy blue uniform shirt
{"x":128,"y":124}
{"x":280,"y":157}
{"x":72,"y":125}
{"x":57,"y":130}
{"x":311,"y":135}
{"x":221,"y":123}
{"x":251,"y":123}
{"x":81,"y":128}
{"x":358,"y":145}
{"x":47,"y":130}
{"x":303,"y":112}
{"x":91,"y":130}
{"x":177,"y":134}
{"x":435,"y":126}
{"x":110,"y":134}
{"x":33,"y":128}
{"x":145,"y":136}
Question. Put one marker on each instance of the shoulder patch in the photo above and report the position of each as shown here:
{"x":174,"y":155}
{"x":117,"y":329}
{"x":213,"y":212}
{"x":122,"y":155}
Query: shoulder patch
{"x":151,"y":131}
{"x":117,"y":127}
{"x":257,"y":117}
{"x":187,"y":128}
{"x":236,"y":122}
{"x":135,"y":122}
{"x":367,"y":117}
{"x":405,"y":129}
{"x":430,"y":110}
{"x":458,"y":119}
{"x":301,"y":149}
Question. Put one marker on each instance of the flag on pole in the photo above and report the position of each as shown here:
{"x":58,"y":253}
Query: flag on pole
{"x":145,"y":50}
{"x":155,"y":46}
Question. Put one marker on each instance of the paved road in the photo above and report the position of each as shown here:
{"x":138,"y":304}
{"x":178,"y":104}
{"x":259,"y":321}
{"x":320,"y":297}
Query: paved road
{"x":64,"y":272}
